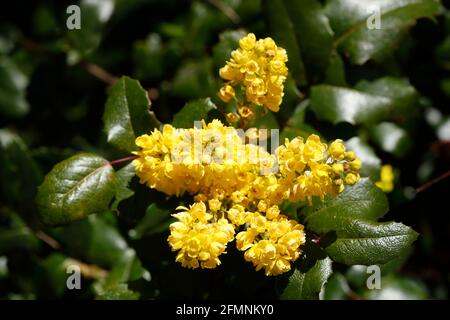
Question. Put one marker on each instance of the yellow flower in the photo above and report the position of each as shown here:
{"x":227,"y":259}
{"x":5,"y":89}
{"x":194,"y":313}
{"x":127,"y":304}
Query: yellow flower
{"x":274,"y":247}
{"x":226,"y":93}
{"x":386,"y":182}
{"x":259,"y":66}
{"x":337,"y":149}
{"x":199,"y":241}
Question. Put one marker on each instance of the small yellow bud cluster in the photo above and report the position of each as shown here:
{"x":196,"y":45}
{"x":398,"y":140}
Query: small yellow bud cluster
{"x":312,"y":169}
{"x":235,"y":195}
{"x":260,"y":67}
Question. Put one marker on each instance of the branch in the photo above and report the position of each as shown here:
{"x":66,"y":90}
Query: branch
{"x":98,"y":72}
{"x":433,"y":182}
{"x":113,"y":162}
{"x":226,"y":10}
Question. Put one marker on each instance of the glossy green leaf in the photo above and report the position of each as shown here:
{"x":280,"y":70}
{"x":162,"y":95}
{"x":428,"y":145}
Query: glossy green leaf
{"x":127,"y":114}
{"x":193,"y":111}
{"x":391,"y":138}
{"x":352,"y":218}
{"x":92,"y":240}
{"x":13,"y":84}
{"x":75,"y":188}
{"x":303,"y":29}
{"x":19,"y":172}
{"x":282,"y":30}
{"x":370,"y":162}
{"x":404,"y":97}
{"x":156,"y":220}
{"x":335,"y":72}
{"x":336,"y":288}
{"x":338,"y":104}
{"x":351,"y":20}
{"x":123,"y":179}
{"x":94,"y":14}
{"x":307,"y":284}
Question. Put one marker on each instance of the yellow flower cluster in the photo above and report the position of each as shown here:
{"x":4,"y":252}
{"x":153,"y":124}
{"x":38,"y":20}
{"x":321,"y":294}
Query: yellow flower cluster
{"x":260,"y":67}
{"x":212,"y":160}
{"x":271,"y":242}
{"x":199,"y":239}
{"x":312,"y":169}
{"x":235,"y":193}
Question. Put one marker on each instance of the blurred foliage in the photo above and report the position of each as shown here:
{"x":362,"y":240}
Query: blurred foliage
{"x":385,"y":92}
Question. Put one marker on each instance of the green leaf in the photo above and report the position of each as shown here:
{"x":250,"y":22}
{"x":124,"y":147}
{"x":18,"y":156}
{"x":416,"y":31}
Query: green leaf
{"x":75,"y":188}
{"x":148,"y":56}
{"x":13,"y":84}
{"x":92,"y":240}
{"x":194,"y":79}
{"x":399,"y":288}
{"x":193,"y":111}
{"x":335,"y":72}
{"x":118,"y":292}
{"x":296,"y":126}
{"x":368,"y":102}
{"x":338,"y":104}
{"x":307,"y":284}
{"x":14,"y":233}
{"x":156,"y":220}
{"x":314,"y":34}
{"x":94,"y":15}
{"x":349,"y":19}
{"x":336,"y":288}
{"x":282,"y":30}
{"x":20,"y":173}
{"x":127,"y":268}
{"x":370,"y":162}
{"x":363,"y":201}
{"x":54,"y":276}
{"x":127,"y":114}
{"x":404,"y":97}
{"x":298,"y":117}
{"x":357,"y":275}
{"x":302,"y":28}
{"x":350,"y":220}
{"x":370,"y":243}
{"x":228,"y":41}
{"x":123,"y":179}
{"x":391,"y":138}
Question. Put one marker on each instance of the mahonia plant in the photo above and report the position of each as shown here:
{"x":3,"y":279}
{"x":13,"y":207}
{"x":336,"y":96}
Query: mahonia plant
{"x":239,"y":190}
{"x":236,"y":191}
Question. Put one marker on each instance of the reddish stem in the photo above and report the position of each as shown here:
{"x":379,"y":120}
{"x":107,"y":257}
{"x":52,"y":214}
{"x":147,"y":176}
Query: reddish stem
{"x":432,"y":182}
{"x":113,"y":162}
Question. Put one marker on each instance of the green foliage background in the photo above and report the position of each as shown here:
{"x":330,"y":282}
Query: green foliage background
{"x":62,"y":96}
